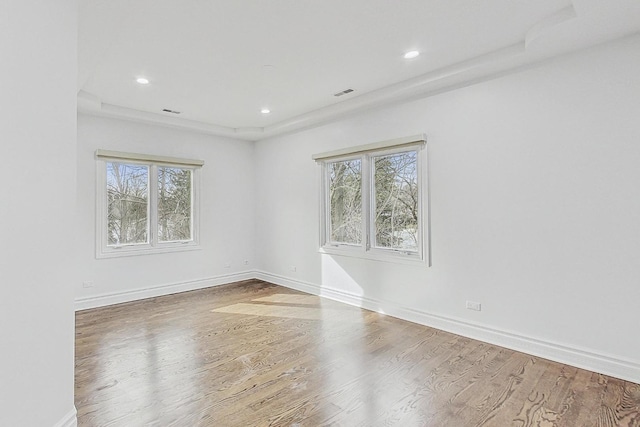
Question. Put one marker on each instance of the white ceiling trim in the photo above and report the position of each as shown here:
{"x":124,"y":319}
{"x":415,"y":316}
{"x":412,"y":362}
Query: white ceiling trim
{"x":576,"y":24}
{"x":449,"y":77}
{"x":90,"y":104}
{"x":531,"y":49}
{"x":548,"y":23}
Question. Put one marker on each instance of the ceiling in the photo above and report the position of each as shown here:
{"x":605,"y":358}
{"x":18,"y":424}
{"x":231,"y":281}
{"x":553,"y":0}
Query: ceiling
{"x":219,"y":62}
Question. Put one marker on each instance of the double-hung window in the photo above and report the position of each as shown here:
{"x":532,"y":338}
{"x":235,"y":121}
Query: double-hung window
{"x":374,"y":201}
{"x":146,"y":204}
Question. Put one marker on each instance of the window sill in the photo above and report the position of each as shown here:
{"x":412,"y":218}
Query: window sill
{"x":374,"y":255}
{"x":147,"y":250}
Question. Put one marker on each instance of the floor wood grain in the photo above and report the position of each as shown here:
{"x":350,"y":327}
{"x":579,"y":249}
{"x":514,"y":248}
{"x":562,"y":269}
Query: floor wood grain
{"x":257,"y":354}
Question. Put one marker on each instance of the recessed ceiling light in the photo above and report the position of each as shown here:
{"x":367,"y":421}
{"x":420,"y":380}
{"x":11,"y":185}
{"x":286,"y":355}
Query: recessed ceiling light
{"x":142,"y":80}
{"x":411,"y":54}
{"x":265,"y":111}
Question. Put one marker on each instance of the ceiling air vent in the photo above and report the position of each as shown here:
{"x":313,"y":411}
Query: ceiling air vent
{"x":344,"y":92}
{"x":166,"y":110}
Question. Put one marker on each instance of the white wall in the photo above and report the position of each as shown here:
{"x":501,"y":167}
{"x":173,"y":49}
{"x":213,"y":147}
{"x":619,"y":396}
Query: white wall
{"x":227,"y":210}
{"x":38,"y":138}
{"x":535,"y":207}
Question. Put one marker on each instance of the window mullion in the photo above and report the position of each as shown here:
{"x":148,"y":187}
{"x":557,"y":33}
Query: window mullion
{"x":366,"y":202}
{"x":153,"y":205}
{"x":102,"y":206}
{"x":371,"y":208}
{"x":421,"y":188}
{"x":192,"y":197}
{"x":326,"y":205}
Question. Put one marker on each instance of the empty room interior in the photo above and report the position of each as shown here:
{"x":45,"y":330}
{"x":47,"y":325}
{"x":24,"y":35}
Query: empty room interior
{"x":320,"y":213}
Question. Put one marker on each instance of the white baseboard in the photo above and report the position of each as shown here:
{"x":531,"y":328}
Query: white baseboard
{"x":581,"y":358}
{"x":102,"y":300}
{"x":69,"y":420}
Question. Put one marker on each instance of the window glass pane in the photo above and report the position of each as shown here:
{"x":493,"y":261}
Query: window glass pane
{"x":127,"y":203}
{"x":396,"y":201}
{"x":345,"y":199}
{"x":174,"y":204}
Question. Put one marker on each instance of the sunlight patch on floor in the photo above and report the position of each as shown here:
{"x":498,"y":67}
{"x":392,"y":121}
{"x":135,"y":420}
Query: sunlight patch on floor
{"x":309,"y":313}
{"x":291,"y":299}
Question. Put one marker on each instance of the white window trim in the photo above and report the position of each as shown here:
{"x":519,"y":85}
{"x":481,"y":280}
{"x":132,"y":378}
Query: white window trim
{"x":103,"y":250}
{"x":366,"y":249}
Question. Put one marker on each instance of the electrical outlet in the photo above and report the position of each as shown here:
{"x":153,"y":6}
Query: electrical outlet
{"x":87,"y":284}
{"x":227,"y":264}
{"x":293,"y":268}
{"x":476,"y":306}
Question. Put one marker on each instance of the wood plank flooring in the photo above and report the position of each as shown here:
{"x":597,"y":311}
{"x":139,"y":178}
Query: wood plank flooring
{"x":257,"y":354}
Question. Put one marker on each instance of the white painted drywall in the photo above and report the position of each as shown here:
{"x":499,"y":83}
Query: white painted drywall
{"x":227,"y":209}
{"x":38,"y":66}
{"x":535,"y":203}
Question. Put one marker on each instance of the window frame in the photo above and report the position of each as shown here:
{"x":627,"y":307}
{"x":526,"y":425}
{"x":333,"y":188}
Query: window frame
{"x":153,"y":244}
{"x":367,"y":249}
{"x":327,"y":180}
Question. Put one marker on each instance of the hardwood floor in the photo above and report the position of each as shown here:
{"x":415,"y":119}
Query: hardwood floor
{"x":257,"y":354}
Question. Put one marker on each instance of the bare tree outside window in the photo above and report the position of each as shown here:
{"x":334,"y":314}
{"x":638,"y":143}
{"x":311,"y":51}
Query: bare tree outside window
{"x":396,"y":201}
{"x":174,"y":204}
{"x":373,"y":201}
{"x":345,"y":198}
{"x":146,"y":204}
{"x":128,"y":203}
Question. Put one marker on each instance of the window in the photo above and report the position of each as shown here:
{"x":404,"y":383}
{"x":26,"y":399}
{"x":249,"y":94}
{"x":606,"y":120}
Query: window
{"x":345,"y":201}
{"x":372,"y":201}
{"x":145,"y":204}
{"x":174,"y":204}
{"x":395,"y":190}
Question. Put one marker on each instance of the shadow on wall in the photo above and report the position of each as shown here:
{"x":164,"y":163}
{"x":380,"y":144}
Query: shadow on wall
{"x":351,"y":279}
{"x":385,"y":287}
